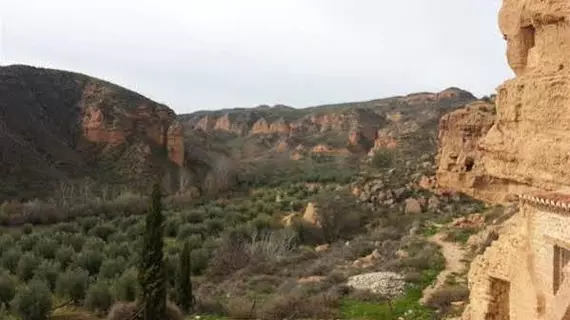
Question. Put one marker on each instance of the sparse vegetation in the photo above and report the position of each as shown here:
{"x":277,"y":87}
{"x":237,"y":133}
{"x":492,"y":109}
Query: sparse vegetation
{"x":242,"y":259}
{"x":383,"y":158}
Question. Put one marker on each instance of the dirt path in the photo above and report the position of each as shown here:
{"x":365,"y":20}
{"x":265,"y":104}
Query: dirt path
{"x":453,"y":254}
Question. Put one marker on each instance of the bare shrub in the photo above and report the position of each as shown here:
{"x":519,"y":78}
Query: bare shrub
{"x":221,"y":175}
{"x":298,"y":305}
{"x":272,"y":245}
{"x":233,"y":254}
{"x":340,"y":216}
{"x":123,"y":311}
{"x":240,"y":308}
{"x":443,"y":298}
{"x":129,"y":310}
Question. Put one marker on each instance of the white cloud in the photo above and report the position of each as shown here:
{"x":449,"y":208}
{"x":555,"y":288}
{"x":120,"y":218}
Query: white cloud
{"x":224,"y":53}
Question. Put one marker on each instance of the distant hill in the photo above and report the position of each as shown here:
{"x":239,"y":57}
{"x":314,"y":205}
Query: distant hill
{"x":57,"y":125}
{"x":354,"y":127}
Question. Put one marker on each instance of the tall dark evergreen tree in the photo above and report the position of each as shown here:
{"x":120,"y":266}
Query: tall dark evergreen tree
{"x":152,"y":276}
{"x":184,"y":295}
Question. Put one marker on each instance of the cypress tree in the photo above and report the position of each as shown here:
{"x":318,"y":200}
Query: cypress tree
{"x":184,"y":296}
{"x":152,"y":276}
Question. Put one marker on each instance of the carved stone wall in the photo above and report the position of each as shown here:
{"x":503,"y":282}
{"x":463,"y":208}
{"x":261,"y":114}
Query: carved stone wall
{"x":524,"y":256}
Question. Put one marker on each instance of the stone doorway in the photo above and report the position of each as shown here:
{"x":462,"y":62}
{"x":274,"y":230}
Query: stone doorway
{"x":499,"y":304}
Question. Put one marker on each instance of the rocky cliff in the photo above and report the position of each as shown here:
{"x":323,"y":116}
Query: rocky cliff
{"x":57,"y":126}
{"x":527,"y":147}
{"x":358,"y":127}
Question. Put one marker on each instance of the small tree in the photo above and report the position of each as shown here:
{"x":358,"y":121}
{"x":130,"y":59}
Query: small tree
{"x":383,"y":159}
{"x":125,"y":288}
{"x":152,"y":276}
{"x":7,"y":288}
{"x":73,"y":285}
{"x":33,"y":301}
{"x":184,"y":295}
{"x":27,"y":266}
{"x":99,"y":297}
{"x":340,"y":216}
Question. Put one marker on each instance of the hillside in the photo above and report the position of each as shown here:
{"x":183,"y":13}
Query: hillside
{"x":59,"y":126}
{"x":289,"y":212}
{"x":346,"y":128}
{"x":62,"y":130}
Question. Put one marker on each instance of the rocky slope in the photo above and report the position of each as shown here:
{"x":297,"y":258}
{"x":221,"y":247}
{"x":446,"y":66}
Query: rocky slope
{"x":59,"y":126}
{"x":527,"y":146}
{"x":340,"y":128}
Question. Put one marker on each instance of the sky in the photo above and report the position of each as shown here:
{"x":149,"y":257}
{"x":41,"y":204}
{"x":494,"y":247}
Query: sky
{"x":213,"y":54}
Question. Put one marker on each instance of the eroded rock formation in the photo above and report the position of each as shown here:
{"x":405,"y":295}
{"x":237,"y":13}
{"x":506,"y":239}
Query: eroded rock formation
{"x":527,"y":147}
{"x":357,"y":127}
{"x":459,"y":157}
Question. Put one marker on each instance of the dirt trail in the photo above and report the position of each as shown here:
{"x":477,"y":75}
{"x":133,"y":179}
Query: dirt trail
{"x":453,"y":254}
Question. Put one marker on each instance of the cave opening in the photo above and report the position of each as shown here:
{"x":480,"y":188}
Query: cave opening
{"x":469,"y":163}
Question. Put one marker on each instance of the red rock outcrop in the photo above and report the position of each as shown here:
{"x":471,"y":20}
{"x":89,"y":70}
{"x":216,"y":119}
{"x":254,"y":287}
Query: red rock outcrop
{"x":175,"y":143}
{"x":260,"y":127}
{"x":225,"y":123}
{"x":206,"y":124}
{"x":280,"y":127}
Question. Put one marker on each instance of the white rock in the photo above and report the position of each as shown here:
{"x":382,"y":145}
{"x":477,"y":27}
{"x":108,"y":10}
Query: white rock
{"x":388,"y":284}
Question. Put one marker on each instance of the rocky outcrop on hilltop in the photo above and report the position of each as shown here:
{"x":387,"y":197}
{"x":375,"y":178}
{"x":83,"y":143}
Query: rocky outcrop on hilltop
{"x":358,"y":127}
{"x":58,"y":125}
{"x":527,"y":147}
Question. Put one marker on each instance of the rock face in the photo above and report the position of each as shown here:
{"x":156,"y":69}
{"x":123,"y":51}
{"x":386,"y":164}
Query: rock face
{"x":58,"y":125}
{"x":460,"y":167}
{"x":527,"y":146}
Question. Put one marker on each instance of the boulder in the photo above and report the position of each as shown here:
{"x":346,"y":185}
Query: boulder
{"x":412,"y":206}
{"x":310,"y":215}
{"x":322,"y":247}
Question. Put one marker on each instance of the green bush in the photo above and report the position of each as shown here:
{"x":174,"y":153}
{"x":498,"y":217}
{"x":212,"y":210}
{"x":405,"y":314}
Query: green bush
{"x":11,"y":258}
{"x":7,"y":288}
{"x":99,"y":297}
{"x":73,"y":284}
{"x":27,"y":266}
{"x":111,"y":268}
{"x":340,"y":216}
{"x":28,"y":241}
{"x":383,"y":159}
{"x":64,"y":255}
{"x":125,"y":288}
{"x":48,"y":271}
{"x":6,"y":242}
{"x":103,"y":231}
{"x":46,"y":248}
{"x":95,"y":244}
{"x":89,"y":260}
{"x":76,"y":241}
{"x":33,"y":301}
{"x":119,"y":250}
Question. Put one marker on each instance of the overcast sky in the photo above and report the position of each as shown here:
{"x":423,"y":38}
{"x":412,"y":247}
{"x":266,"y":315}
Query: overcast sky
{"x":210,"y":54}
